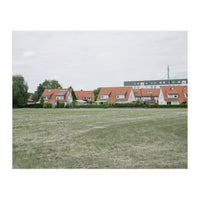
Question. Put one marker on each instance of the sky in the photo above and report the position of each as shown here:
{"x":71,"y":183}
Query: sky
{"x":91,"y":59}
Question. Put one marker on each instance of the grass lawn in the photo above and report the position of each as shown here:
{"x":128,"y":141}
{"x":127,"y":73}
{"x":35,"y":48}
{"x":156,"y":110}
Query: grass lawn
{"x":100,"y":138}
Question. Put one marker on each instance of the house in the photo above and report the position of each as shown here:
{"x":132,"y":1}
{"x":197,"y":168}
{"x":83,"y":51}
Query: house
{"x":146,"y":95}
{"x":115,"y":95}
{"x":84,"y":95}
{"x":54,"y":95}
{"x":172,"y":95}
{"x":30,"y":101}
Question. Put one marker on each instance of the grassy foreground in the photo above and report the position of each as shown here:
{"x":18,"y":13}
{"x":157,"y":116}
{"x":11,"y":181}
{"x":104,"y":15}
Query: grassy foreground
{"x":100,"y":138}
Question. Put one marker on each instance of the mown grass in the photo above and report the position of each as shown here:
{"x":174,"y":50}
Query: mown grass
{"x":100,"y":138}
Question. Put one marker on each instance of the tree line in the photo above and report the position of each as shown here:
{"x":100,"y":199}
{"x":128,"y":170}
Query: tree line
{"x":21,"y":94}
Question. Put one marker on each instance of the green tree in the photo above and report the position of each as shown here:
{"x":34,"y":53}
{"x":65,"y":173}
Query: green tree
{"x":96,"y":93}
{"x":19,"y":90}
{"x":42,"y":102}
{"x":73,"y":94}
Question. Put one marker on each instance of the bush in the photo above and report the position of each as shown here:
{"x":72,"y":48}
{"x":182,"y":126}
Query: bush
{"x":33,"y":106}
{"x":57,"y":104}
{"x":67,"y":106}
{"x":47,"y":105}
{"x":61,"y":105}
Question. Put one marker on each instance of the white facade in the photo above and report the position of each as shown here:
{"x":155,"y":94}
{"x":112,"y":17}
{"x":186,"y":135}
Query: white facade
{"x":162,"y":101}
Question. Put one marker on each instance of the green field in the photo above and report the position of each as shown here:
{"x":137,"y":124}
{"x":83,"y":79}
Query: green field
{"x":100,"y":138}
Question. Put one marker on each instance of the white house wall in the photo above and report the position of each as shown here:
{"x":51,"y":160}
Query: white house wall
{"x":131,"y":97}
{"x":161,"y":100}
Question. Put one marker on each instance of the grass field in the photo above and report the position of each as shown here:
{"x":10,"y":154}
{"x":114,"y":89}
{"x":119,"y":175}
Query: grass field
{"x":100,"y":138}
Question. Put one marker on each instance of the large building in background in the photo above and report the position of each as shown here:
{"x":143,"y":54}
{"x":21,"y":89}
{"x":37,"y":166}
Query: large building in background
{"x":155,"y":83}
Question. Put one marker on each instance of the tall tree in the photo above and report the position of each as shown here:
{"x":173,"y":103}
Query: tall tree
{"x":19,"y":90}
{"x":73,"y":94}
{"x":96,"y":93}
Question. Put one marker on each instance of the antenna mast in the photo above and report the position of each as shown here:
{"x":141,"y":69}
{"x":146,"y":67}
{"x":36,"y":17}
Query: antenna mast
{"x":168,"y":72}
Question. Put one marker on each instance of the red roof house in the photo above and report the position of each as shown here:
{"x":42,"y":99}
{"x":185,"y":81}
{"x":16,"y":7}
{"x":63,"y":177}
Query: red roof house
{"x":173,"y":94}
{"x":54,"y":95}
{"x":115,"y":95}
{"x":82,"y":95}
{"x":147,"y":94}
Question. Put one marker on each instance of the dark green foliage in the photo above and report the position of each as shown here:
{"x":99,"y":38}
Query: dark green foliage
{"x":96,"y":93}
{"x":57,"y":104}
{"x":184,"y":102}
{"x":42,"y":102}
{"x":67,"y":106}
{"x":33,"y":106}
{"x":19,"y":91}
{"x":73,"y":94}
{"x":61,"y":105}
{"x":47,"y":105}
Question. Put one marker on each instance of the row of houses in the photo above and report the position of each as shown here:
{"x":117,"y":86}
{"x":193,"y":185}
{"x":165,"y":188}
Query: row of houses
{"x":111,"y":95}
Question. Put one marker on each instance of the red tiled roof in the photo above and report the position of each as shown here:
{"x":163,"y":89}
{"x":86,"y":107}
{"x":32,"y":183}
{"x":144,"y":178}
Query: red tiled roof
{"x":52,"y":94}
{"x":180,"y":90}
{"x":145,"y":92}
{"x":112,"y":92}
{"x":80,"y":95}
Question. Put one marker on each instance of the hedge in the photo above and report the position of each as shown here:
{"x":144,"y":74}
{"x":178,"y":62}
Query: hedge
{"x":117,"y":105}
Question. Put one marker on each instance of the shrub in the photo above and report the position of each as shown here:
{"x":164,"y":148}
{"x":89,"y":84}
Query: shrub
{"x":57,"y":104}
{"x":67,"y":106}
{"x":47,"y":105}
{"x":61,"y":105}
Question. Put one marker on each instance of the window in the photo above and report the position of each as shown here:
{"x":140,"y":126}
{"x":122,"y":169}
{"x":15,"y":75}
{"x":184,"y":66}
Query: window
{"x":154,"y":86}
{"x":49,"y":90}
{"x":46,"y":97}
{"x":135,"y":92}
{"x":172,"y":88}
{"x":185,"y":88}
{"x":183,"y":82}
{"x":104,"y":96}
{"x":142,"y":83}
{"x":186,"y":95}
{"x":120,"y":96}
{"x":149,"y":92}
{"x":169,"y":103}
{"x":163,"y":82}
{"x":88,"y":98}
{"x":179,"y":82}
{"x":172,"y":95}
{"x":59,"y":97}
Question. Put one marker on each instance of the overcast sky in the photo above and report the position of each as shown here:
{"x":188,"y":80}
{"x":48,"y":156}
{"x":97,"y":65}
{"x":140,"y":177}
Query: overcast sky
{"x":90,"y":59}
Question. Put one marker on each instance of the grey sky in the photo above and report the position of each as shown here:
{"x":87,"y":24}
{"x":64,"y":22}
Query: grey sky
{"x":90,"y":59}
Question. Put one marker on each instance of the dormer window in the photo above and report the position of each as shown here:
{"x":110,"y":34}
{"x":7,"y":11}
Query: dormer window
{"x":59,"y":97}
{"x":45,"y":97}
{"x":121,"y":96}
{"x":104,"y":96}
{"x":172,"y":88}
{"x":88,"y":98}
{"x":49,"y":90}
{"x":172,"y":95}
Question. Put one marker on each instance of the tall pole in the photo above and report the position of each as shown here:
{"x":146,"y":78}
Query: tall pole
{"x":168,"y":72}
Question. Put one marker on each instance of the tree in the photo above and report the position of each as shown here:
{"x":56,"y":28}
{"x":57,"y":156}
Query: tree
{"x":96,"y":93}
{"x":47,"y":84}
{"x":19,"y":90}
{"x":42,"y":102}
{"x":73,"y":94}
